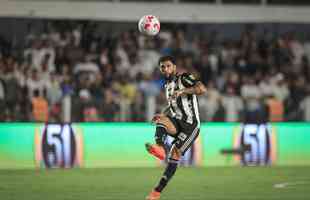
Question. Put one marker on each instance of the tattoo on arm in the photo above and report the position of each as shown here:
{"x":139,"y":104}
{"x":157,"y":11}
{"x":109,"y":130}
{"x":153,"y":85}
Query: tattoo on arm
{"x":197,"y":89}
{"x":166,"y":110}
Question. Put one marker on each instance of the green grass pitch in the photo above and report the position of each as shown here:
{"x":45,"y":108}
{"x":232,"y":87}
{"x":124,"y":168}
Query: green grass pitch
{"x":235,"y":183}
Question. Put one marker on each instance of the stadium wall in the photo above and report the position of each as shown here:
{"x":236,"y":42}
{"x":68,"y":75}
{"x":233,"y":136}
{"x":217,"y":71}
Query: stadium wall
{"x":131,"y":12}
{"x":34,"y":145}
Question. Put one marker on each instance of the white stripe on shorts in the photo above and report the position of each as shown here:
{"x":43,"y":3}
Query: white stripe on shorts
{"x":190,"y":139}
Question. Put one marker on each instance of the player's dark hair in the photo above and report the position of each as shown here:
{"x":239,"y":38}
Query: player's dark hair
{"x":166,"y":58}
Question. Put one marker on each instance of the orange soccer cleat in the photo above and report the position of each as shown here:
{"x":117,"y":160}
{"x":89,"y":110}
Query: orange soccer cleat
{"x":156,"y":150}
{"x":154,"y":195}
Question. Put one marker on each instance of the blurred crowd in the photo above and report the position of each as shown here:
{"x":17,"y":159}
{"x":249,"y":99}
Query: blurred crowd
{"x":71,"y":72}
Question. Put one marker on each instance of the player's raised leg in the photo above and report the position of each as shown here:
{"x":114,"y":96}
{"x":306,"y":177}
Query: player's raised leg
{"x":164,"y":127}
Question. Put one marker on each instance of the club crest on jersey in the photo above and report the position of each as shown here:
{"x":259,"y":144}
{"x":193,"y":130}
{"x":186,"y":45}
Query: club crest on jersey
{"x":192,"y":76}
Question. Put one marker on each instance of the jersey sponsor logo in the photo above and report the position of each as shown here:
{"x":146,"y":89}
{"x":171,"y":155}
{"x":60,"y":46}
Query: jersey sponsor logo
{"x":182,"y":136}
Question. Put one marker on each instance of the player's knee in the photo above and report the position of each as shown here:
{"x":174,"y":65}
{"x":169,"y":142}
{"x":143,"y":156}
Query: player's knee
{"x":168,"y":125}
{"x":160,"y":134}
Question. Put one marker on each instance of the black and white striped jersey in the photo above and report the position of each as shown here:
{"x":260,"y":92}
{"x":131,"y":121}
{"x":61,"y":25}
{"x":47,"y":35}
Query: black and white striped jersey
{"x":184,"y":107}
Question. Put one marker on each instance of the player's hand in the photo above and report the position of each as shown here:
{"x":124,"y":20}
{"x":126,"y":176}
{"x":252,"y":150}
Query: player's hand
{"x":177,"y":93}
{"x":156,"y":118}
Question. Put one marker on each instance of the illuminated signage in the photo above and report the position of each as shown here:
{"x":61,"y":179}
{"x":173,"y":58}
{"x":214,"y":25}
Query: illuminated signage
{"x":58,"y":146}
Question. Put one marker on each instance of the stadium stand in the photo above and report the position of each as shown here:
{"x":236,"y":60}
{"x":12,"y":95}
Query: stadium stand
{"x":258,"y":76}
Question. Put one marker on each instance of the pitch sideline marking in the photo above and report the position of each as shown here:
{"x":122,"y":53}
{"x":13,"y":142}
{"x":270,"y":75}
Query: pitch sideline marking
{"x":286,"y":184}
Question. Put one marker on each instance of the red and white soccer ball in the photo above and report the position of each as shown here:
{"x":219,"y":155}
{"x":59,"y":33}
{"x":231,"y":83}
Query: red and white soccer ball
{"x":149,"y":25}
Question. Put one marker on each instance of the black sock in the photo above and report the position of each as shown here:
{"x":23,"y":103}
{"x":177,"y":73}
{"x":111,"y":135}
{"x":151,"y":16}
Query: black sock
{"x":169,"y":172}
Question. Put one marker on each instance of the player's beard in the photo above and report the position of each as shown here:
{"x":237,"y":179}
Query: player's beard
{"x":170,"y":77}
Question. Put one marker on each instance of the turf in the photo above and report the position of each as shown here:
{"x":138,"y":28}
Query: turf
{"x":133,"y":184}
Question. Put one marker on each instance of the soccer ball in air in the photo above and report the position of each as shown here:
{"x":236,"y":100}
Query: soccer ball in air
{"x":149,"y":25}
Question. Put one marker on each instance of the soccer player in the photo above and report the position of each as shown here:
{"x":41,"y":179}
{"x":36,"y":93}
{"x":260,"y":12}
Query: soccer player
{"x":180,"y":120}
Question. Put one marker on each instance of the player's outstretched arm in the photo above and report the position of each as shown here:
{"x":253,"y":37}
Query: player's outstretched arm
{"x":192,"y":86}
{"x":198,"y":88}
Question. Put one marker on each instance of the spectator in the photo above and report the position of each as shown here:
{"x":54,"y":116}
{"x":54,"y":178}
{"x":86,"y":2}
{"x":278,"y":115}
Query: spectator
{"x":53,"y":89}
{"x":275,"y":109}
{"x":210,"y":103}
{"x":279,"y":87}
{"x":2,"y":98}
{"x":109,"y":109}
{"x":150,"y":90}
{"x":40,"y":109}
{"x":233,"y":105}
{"x":34,"y":83}
{"x":76,"y":65}
{"x":86,"y":107}
{"x":128,"y":92}
{"x":305,"y":106}
{"x":251,"y":94}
